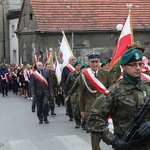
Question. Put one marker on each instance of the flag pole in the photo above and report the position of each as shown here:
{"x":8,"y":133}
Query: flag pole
{"x":126,"y":38}
{"x":58,"y":73}
{"x":131,"y":26}
{"x":21,"y":62}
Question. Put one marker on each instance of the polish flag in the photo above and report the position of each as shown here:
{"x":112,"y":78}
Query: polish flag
{"x":126,"y":38}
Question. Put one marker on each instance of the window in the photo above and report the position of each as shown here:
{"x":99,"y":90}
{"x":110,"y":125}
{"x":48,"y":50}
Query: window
{"x":25,"y":20}
{"x":12,"y":30}
{"x":31,"y":16}
{"x":14,"y":56}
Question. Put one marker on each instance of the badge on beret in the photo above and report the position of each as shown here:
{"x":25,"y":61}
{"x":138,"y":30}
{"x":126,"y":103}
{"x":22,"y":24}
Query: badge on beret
{"x":137,"y":57}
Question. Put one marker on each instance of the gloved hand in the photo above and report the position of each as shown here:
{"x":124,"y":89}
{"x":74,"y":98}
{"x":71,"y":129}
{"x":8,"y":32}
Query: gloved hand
{"x":144,"y":129}
{"x":120,"y":145}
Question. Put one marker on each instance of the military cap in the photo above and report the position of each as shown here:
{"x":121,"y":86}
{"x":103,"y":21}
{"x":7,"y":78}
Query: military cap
{"x":131,"y":55}
{"x":137,"y":46}
{"x":104,"y":63}
{"x":93,"y":56}
{"x":84,"y":66}
{"x":76,"y":62}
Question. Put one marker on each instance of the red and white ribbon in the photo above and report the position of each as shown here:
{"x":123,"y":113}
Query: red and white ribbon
{"x":145,"y":77}
{"x":28,"y":75}
{"x":5,"y":77}
{"x":94,"y":81}
{"x":71,"y":68}
{"x":40,"y":78}
{"x":145,"y":66}
{"x":121,"y":73}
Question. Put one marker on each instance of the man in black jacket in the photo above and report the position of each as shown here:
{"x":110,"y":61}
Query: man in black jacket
{"x":41,"y":89}
{"x":65,"y":72}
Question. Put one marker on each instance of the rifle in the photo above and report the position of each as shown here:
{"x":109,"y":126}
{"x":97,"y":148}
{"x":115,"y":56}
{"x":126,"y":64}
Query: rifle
{"x":131,"y":135}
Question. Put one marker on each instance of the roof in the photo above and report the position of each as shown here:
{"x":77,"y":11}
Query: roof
{"x":13,"y":14}
{"x":91,"y":15}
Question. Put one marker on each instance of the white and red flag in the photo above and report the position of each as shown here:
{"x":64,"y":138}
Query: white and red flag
{"x":49,"y":58}
{"x":65,"y":49}
{"x":145,"y":66}
{"x":126,"y":38}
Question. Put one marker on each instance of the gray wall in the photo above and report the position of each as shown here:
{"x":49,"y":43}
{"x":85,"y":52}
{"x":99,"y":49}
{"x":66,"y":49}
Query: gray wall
{"x":83,"y":44}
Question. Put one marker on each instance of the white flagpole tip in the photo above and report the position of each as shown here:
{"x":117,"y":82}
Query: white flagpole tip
{"x":129,"y":6}
{"x":62,"y":31}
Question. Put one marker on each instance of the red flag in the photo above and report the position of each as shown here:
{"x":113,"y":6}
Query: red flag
{"x":126,"y":38}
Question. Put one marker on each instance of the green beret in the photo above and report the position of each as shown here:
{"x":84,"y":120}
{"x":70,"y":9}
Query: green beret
{"x":131,"y":55}
{"x":76,"y":62}
{"x":84,"y":66}
{"x":104,"y":63}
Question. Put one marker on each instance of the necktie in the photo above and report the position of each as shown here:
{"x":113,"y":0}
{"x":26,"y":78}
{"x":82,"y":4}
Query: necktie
{"x":40,"y":72}
{"x":95,"y":74}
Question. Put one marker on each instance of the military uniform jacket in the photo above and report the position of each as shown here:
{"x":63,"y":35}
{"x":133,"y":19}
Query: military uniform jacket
{"x":54,"y":82}
{"x":70,"y":81}
{"x":37,"y":87}
{"x":122,"y":103}
{"x":74,"y":88}
{"x":86,"y":98}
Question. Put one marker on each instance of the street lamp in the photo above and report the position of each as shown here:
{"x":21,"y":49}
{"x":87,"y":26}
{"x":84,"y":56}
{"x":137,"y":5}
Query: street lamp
{"x":3,"y":29}
{"x":119,"y":27}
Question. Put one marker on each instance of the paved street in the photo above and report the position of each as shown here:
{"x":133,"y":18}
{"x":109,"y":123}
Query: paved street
{"x":20,"y":130}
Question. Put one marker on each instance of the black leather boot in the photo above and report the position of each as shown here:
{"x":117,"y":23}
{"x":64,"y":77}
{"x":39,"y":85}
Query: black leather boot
{"x":53,"y":113}
{"x":46,"y":120}
{"x":40,"y":120}
{"x":84,"y":125}
{"x":77,"y":124}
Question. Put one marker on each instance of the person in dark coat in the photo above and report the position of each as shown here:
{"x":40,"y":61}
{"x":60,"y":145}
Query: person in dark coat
{"x":41,"y":89}
{"x":4,"y":79}
{"x":66,"y":71}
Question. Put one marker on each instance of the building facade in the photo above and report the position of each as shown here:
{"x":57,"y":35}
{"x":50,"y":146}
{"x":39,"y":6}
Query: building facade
{"x":5,"y":29}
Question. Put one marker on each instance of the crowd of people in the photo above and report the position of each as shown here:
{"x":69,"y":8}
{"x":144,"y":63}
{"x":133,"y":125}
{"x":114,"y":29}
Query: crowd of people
{"x":18,"y":80}
{"x":90,"y":95}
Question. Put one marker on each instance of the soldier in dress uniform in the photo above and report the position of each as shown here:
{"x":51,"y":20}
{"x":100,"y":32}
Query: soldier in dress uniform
{"x":89,"y":92}
{"x":123,"y":101}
